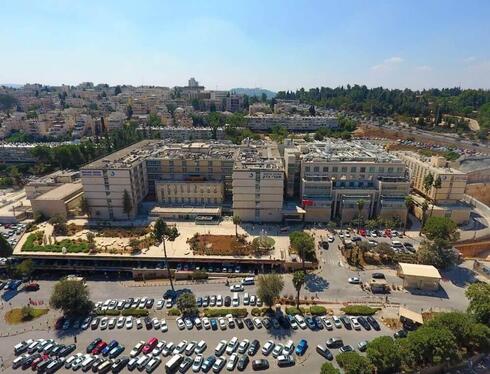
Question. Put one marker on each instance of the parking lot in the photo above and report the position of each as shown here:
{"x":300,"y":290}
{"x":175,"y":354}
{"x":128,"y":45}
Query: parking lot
{"x":12,"y":232}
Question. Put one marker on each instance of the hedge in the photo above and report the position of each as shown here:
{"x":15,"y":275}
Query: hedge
{"x":221,"y":312}
{"x":328,"y":368}
{"x":70,"y":245}
{"x":259,"y":312}
{"x":135,"y":312}
{"x":359,"y":310}
{"x":292,"y":310}
{"x":318,"y":310}
{"x":174,"y":312}
{"x":199,"y":275}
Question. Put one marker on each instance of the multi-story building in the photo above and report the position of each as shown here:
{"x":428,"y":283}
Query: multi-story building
{"x":191,"y":192}
{"x":258,"y":183}
{"x":447,"y":199}
{"x":292,"y":123}
{"x":335,"y":176}
{"x":115,"y":121}
{"x":180,"y":134}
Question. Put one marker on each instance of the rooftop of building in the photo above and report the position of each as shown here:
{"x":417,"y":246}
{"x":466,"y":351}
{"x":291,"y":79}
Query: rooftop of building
{"x":258,"y":155}
{"x":428,"y":163}
{"x":61,"y":192}
{"x":346,"y":151}
{"x":51,"y":178}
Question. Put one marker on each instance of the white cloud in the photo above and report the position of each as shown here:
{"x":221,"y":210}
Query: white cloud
{"x":388,"y":63}
{"x":424,"y":68}
{"x":469,"y":59}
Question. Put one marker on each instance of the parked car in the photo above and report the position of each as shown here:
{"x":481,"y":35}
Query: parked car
{"x":325,"y":352}
{"x":301,"y":347}
{"x":261,"y":364}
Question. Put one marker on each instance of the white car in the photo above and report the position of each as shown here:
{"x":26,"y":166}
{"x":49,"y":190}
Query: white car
{"x":160,"y":304}
{"x":159,"y":347}
{"x":220,"y":348}
{"x":330,"y":238}
{"x":163,"y":325}
{"x":257,"y":322}
{"x":218,"y":365}
{"x":242,"y":347}
{"x":327,"y":323}
{"x":236,"y":288}
{"x":355,"y":324}
{"x":288,"y":348}
{"x":200,"y":347}
{"x":219,"y":300}
{"x":222,"y":323}
{"x":232,"y":361}
{"x":129,"y":322}
{"x":180,"y":323}
{"x":168,"y":349}
{"x":277,"y":350}
{"x":198,"y":323}
{"x":293,"y":323}
{"x":120,"y":322}
{"x":337,"y":322}
{"x":189,"y":348}
{"x":301,"y":321}
{"x":188,"y":324}
{"x":139,"y":324}
{"x":103,"y":323}
{"x":206,"y":323}
{"x":168,"y":303}
{"x":268,"y":347}
{"x":156,"y":323}
{"x":232,"y":345}
{"x":180,"y":347}
{"x":354,"y":280}
{"x":231,"y":321}
{"x":196,"y":365}
{"x":137,"y":349}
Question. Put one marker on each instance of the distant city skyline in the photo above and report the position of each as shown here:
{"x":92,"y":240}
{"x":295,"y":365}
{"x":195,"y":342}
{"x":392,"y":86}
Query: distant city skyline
{"x":276,"y":45}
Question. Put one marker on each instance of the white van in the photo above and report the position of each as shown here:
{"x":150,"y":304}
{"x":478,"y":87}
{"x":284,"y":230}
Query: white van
{"x":246,"y":298}
{"x":396,"y":244}
{"x":235,"y":301}
{"x":248,"y":281}
{"x":87,"y":363}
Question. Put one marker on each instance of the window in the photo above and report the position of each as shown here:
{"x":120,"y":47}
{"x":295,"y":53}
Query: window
{"x":372,"y":169}
{"x":344,"y":169}
{"x":381,"y":169}
{"x":307,"y":169}
{"x":335,"y":169}
{"x":363,"y":169}
{"x":390,"y":170}
{"x":325,"y":169}
{"x":316,"y":169}
{"x":353,"y":169}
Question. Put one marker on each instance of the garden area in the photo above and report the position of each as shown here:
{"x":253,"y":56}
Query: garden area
{"x":230,"y":245}
{"x":24,"y":314}
{"x":35,"y":243}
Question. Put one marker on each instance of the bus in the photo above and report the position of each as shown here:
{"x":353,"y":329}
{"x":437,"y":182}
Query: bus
{"x":173,"y":364}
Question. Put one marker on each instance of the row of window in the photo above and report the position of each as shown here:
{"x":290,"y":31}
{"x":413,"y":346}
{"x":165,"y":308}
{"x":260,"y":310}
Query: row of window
{"x":190,"y":200}
{"x":195,"y":189}
{"x":353,"y":169}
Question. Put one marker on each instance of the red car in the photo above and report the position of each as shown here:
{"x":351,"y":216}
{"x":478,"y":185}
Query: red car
{"x":387,"y":233}
{"x":38,"y":360}
{"x":99,"y":347}
{"x":150,"y":344}
{"x":362,"y":232}
{"x":31,"y":287}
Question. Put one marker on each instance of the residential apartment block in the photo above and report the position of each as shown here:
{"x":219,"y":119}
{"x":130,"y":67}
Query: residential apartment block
{"x":267,"y":122}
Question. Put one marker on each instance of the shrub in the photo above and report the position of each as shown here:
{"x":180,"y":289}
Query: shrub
{"x":174,"y":312}
{"x":199,"y":274}
{"x":135,"y":312}
{"x":33,"y":243}
{"x":256,"y":312}
{"x":318,"y":310}
{"x":359,"y":310}
{"x":221,"y":312}
{"x":293,"y":310}
{"x":328,"y":368}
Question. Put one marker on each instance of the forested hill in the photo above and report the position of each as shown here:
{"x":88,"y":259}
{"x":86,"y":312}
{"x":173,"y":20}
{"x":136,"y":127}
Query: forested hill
{"x":383,"y":101}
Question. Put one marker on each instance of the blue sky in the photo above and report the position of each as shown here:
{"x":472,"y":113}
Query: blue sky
{"x":275,"y":44}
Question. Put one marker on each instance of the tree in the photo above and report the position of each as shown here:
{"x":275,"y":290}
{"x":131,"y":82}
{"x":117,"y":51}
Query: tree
{"x":439,"y":254}
{"x":269,"y":287}
{"x":303,"y":244}
{"x":328,"y":368}
{"x":331,"y":225}
{"x":479,"y":297}
{"x":25,"y":268}
{"x":298,"y":282}
{"x":91,"y":241}
{"x":354,"y":363}
{"x":360,"y":206}
{"x":72,"y":297}
{"x":385,"y":354}
{"x":312,"y":110}
{"x":84,"y":207}
{"x":187,"y":304}
{"x":436,"y":184}
{"x":424,"y":207}
{"x":441,"y":228}
{"x":236,"y":222}
{"x":161,"y":232}
{"x":134,"y":244}
{"x":428,"y":182}
{"x":117,"y":90}
{"x":59,"y":225}
{"x":409,"y":203}
{"x":429,"y":346}
{"x":127,"y":203}
{"x":5,"y":247}
{"x":26,"y":312}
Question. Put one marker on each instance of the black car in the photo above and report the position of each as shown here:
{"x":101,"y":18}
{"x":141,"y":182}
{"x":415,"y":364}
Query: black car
{"x":249,"y":323}
{"x":55,"y":351}
{"x":185,"y":365}
{"x":374,"y":324}
{"x":335,"y":342}
{"x":243,"y":363}
{"x":92,"y":345}
{"x":148,"y":323}
{"x":41,"y":367}
{"x":284,"y":322}
{"x":325,"y":352}
{"x":356,"y":239}
{"x":266,"y":322}
{"x":67,"y":350}
{"x":239,"y":323}
{"x":261,"y":364}
{"x":318,"y":322}
{"x":95,"y":323}
{"x":364,"y":323}
{"x":378,"y":276}
{"x":119,"y":364}
{"x":400,"y":334}
{"x":199,"y":301}
{"x":346,"y":322}
{"x":253,"y":347}
{"x":26,"y":363}
{"x":54,"y":368}
{"x":98,"y":361}
{"x":149,"y":303}
{"x":227,"y":301}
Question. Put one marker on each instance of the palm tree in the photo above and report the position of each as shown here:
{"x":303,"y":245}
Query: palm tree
{"x":428,"y":182}
{"x":409,"y":202}
{"x":298,"y":282}
{"x":436,"y":184}
{"x":161,"y":232}
{"x":236,"y":221}
{"x":360,"y":206}
{"x":424,"y":207}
